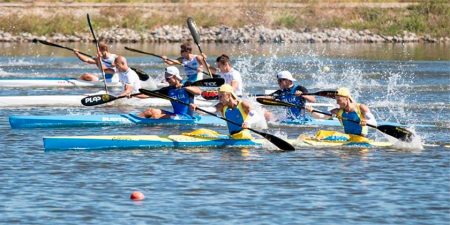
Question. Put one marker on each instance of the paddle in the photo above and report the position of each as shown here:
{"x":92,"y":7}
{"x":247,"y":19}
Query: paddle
{"x":394,"y":131}
{"x":101,"y":99}
{"x":193,"y":29}
{"x":98,"y":50}
{"x":280,"y":143}
{"x":171,"y":60}
{"x":105,"y":98}
{"x":213,"y":94}
{"x":142,"y":75}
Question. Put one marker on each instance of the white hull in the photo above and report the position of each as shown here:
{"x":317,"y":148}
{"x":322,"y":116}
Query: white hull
{"x":23,"y":83}
{"x":75,"y":100}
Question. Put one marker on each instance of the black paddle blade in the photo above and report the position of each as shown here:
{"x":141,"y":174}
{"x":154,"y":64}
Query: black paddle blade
{"x":328,"y":94}
{"x":268,"y":101}
{"x":91,"y":28}
{"x":141,"y":74}
{"x":280,"y":143}
{"x":209,"y":82}
{"x":97,"y":99}
{"x":193,"y":29}
{"x":397,"y":132}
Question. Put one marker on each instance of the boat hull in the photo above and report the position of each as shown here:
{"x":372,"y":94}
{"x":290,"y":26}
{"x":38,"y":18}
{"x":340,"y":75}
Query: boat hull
{"x":53,"y":82}
{"x":75,"y":100}
{"x":182,"y":142}
{"x":141,"y":142}
{"x":104,"y":120}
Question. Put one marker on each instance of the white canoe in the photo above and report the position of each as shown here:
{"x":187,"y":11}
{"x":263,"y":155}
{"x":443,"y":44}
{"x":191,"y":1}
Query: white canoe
{"x":52,"y":82}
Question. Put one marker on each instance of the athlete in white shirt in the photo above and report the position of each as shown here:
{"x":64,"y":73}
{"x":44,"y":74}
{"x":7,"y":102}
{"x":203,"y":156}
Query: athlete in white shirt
{"x":107,"y":62}
{"x":127,"y":76}
{"x":230,"y":75}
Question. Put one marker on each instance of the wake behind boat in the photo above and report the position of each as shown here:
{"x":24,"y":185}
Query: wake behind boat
{"x":53,"y":83}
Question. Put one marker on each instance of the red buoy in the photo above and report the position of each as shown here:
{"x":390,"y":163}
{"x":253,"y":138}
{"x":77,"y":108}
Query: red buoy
{"x":137,"y":196}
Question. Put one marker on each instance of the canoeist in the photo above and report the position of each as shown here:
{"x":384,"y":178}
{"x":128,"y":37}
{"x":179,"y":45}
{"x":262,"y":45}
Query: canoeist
{"x":193,"y":64}
{"x":236,"y":110}
{"x":127,"y":76}
{"x":350,"y":110}
{"x":228,"y":73}
{"x":175,"y":90}
{"x":107,"y":62}
{"x":291,"y":93}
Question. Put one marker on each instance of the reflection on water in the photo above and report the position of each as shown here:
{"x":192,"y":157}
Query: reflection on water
{"x":385,"y":51}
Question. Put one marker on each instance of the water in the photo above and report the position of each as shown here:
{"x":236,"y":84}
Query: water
{"x":401,"y":83}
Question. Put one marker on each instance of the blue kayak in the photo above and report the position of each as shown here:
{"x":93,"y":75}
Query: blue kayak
{"x":17,"y":121}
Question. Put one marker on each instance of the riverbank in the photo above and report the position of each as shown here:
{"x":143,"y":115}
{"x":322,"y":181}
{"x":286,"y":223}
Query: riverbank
{"x":229,"y":22}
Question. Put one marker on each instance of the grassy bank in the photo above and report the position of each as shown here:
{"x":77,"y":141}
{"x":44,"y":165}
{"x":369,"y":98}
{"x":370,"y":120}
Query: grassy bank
{"x":426,"y":17}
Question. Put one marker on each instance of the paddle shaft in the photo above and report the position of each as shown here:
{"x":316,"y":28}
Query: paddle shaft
{"x":100,"y":62}
{"x":171,"y":60}
{"x":142,"y":75}
{"x":280,"y":143}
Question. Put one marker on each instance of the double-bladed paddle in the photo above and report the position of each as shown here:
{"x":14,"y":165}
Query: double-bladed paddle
{"x":193,"y":29}
{"x":142,"y":75}
{"x":280,"y":143}
{"x":213,"y":94}
{"x":98,"y":50}
{"x":105,"y":98}
{"x":171,"y":60}
{"x":394,"y":131}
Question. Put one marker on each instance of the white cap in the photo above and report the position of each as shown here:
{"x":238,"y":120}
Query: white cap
{"x":172,"y":71}
{"x":285,"y":75}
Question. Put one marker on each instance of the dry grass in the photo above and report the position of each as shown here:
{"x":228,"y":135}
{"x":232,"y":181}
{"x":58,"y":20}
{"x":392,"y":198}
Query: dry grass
{"x":429,"y":17}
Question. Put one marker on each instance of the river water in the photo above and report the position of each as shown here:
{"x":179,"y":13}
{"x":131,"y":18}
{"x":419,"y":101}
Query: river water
{"x":408,"y":84}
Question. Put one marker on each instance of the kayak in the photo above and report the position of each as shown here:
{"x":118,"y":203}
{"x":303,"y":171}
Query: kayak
{"x":53,"y":82}
{"x":186,"y":140}
{"x":18,"y":121}
{"x":202,"y":138}
{"x":75,"y":100}
{"x":48,"y":121}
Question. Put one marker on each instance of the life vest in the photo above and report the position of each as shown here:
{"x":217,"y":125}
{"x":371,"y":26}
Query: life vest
{"x":237,"y":115}
{"x":190,"y":68}
{"x":184,"y":96}
{"x":349,"y":126}
{"x":294,"y":113}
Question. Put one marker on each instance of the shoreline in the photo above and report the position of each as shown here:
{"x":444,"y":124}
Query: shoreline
{"x":224,"y":34}
{"x":227,"y":22}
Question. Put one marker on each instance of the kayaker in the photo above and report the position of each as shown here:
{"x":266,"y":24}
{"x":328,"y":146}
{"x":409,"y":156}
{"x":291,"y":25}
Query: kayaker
{"x":128,"y":77}
{"x":228,"y":73}
{"x":193,"y":64}
{"x":291,"y":93}
{"x":236,"y":110}
{"x":176,"y":90}
{"x":107,"y":63}
{"x":350,"y":110}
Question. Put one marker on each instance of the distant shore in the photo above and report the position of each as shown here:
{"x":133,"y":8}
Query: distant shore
{"x":228,"y":22}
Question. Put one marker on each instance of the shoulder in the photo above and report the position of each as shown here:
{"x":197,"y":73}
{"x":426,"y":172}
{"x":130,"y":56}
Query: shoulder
{"x":335,"y":110}
{"x":245,"y":105}
{"x":301,"y":88}
{"x":364,"y":108}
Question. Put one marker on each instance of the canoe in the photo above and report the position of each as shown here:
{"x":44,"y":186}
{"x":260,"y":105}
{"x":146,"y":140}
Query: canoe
{"x":212,"y":139}
{"x":75,"y":100}
{"x":52,"y":82}
{"x":23,"y":121}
